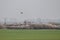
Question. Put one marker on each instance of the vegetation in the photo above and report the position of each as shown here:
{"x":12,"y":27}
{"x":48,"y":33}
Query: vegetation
{"x":24,"y":34}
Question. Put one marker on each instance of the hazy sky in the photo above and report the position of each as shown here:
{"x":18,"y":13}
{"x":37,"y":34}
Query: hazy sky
{"x":47,"y":9}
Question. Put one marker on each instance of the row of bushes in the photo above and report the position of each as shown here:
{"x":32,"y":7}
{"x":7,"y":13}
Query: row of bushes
{"x":31,"y":26}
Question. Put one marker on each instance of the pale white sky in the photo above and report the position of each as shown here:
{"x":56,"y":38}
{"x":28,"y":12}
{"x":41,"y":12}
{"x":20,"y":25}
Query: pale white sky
{"x":46,"y":9}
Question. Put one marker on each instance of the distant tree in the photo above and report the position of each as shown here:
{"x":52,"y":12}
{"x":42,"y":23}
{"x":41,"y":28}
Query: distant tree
{"x":1,"y":26}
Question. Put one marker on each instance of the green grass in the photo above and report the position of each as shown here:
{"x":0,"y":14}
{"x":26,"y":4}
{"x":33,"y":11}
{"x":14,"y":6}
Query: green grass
{"x":29,"y":34}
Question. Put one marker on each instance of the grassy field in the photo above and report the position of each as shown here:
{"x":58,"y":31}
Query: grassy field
{"x":29,"y":34}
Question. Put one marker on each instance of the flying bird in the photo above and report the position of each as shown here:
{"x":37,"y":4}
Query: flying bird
{"x":21,"y":12}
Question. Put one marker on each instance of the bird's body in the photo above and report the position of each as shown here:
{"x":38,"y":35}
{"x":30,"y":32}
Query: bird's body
{"x":21,"y":12}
